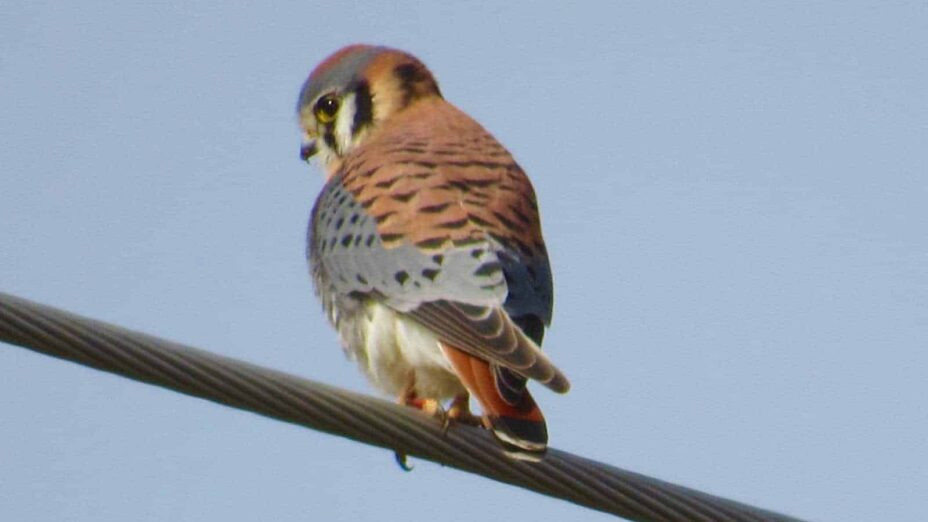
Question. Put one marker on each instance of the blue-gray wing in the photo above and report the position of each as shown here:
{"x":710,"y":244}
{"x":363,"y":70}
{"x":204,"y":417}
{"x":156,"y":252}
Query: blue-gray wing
{"x":465,"y":293}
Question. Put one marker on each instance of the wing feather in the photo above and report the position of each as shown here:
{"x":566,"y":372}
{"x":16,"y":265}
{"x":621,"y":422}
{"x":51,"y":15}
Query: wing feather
{"x":455,"y":245}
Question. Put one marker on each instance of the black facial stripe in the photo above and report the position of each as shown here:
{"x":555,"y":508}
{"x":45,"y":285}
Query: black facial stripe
{"x":329,"y":138}
{"x":363,"y":108}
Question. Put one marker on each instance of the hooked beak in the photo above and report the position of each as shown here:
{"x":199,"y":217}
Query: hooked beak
{"x":308,"y":150}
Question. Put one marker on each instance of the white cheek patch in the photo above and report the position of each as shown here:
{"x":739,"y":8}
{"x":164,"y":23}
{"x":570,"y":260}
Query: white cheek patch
{"x":343,"y":123}
{"x":325,"y":154}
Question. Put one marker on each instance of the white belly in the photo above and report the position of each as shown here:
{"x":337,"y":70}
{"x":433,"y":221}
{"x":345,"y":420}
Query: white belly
{"x":391,"y":350}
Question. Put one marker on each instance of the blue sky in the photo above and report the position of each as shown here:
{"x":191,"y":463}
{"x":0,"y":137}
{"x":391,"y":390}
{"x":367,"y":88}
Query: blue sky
{"x":733,"y":198}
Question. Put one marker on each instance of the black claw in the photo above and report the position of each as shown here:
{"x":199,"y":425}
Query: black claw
{"x":401,"y":460}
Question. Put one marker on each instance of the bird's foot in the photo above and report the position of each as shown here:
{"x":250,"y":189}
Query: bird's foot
{"x":430,"y":407}
{"x":459,"y":411}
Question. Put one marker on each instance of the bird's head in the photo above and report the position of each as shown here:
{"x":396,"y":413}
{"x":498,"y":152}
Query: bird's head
{"x":351,"y":93}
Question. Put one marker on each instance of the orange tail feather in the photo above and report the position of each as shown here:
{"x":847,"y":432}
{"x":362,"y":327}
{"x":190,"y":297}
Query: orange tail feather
{"x":520,"y":428}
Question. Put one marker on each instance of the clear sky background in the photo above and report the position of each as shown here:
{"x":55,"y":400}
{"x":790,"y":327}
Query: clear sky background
{"x":735,"y":199}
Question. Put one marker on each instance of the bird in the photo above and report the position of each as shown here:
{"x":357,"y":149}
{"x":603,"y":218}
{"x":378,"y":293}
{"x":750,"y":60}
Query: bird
{"x":425,"y":246}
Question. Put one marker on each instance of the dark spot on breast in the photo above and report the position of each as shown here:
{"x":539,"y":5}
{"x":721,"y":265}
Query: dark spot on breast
{"x":404,"y":197}
{"x":369,"y":172}
{"x":434,"y":209}
{"x":354,"y":219}
{"x":477,"y":253}
{"x":504,"y":220}
{"x":360,"y":279}
{"x":454,"y":225}
{"x":383,"y":217}
{"x":401,"y":277}
{"x":459,"y":185}
{"x":339,"y":223}
{"x":420,"y":163}
{"x":346,"y":240}
{"x":439,"y":259}
{"x":370,"y":240}
{"x":520,"y":216}
{"x":467,"y":241}
{"x":387,"y":183}
{"x":433,"y":242}
{"x":488,"y":269}
{"x":430,"y":273}
{"x":477,"y":220}
{"x":471,"y":310}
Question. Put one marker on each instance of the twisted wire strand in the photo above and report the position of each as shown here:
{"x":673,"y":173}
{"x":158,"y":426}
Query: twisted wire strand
{"x":362,"y":418}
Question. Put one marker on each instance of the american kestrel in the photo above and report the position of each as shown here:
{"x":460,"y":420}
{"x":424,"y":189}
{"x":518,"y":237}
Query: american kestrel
{"x":425,"y":245}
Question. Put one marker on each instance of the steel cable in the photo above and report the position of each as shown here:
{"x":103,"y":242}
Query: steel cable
{"x":362,"y":418}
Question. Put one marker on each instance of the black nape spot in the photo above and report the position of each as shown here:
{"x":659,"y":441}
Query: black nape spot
{"x":415,"y":81}
{"x":408,"y":73}
{"x":430,"y":273}
{"x":401,"y":277}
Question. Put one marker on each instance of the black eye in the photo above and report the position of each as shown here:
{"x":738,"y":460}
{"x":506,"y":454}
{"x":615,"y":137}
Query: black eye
{"x":326,"y":108}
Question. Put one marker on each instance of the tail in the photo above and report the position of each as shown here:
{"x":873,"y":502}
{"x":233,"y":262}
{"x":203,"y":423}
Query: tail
{"x":509,"y":410}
